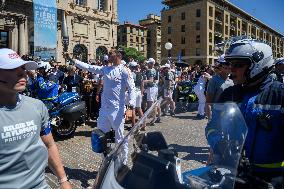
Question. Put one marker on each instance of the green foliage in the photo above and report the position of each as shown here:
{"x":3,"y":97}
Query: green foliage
{"x":132,"y":53}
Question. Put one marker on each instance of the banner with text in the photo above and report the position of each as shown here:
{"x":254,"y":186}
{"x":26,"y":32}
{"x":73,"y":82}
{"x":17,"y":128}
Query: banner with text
{"x":45,"y":28}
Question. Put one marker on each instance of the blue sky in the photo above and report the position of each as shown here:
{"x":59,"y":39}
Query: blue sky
{"x":270,"y":12}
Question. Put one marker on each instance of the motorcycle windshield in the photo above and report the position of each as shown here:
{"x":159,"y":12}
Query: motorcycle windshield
{"x":229,"y":131}
{"x":154,"y":162}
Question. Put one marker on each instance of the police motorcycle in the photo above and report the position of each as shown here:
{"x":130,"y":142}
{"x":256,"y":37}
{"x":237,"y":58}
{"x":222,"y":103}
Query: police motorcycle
{"x":185,"y":93}
{"x":65,"y":112}
{"x":153,"y":164}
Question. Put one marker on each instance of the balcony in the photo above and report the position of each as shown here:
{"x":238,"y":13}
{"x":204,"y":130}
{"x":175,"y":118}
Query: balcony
{"x":218,"y":34}
{"x":232,"y":27}
{"x":218,"y":20}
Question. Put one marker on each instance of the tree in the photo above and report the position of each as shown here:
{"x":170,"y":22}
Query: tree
{"x":132,"y":53}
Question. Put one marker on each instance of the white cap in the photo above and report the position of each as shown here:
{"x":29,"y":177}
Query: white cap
{"x":123,"y":62}
{"x":105,"y":57}
{"x":167,"y":66}
{"x":132,"y":64}
{"x":221,"y":60}
{"x":9,"y":59}
{"x":151,"y":60}
{"x":44,"y":65}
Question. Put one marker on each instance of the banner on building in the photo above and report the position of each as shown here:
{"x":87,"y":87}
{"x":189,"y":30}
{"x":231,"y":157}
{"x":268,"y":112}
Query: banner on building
{"x":45,"y":28}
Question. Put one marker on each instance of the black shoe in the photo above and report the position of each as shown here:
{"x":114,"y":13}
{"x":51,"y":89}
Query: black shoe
{"x":173,"y":113}
{"x":158,"y":120}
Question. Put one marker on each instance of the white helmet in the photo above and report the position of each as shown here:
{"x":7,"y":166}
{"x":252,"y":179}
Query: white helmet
{"x":259,"y":53}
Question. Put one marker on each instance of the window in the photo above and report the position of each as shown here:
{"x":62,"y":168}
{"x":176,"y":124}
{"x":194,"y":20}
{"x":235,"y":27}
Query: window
{"x":137,"y":39}
{"x":211,"y":11}
{"x":198,"y":13}
{"x":210,"y":50}
{"x":169,"y":19}
{"x":210,"y":24}
{"x":131,"y":30}
{"x":101,"y":5}
{"x":227,"y":19}
{"x":210,"y":37}
{"x":198,"y":50}
{"x":197,"y":26}
{"x":169,"y":30}
{"x":131,"y":40}
{"x":239,"y":24}
{"x":182,"y":40}
{"x":182,"y":52}
{"x":142,"y":33}
{"x":142,"y":40}
{"x":182,"y":28}
{"x":80,"y":2}
{"x":183,"y":16}
{"x":4,"y":39}
{"x":124,"y":38}
{"x":198,"y":39}
{"x":226,"y":30}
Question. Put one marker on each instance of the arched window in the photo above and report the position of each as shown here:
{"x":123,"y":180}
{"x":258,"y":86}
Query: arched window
{"x":100,"y":52}
{"x":80,"y":52}
{"x":101,"y":5}
{"x":81,"y":2}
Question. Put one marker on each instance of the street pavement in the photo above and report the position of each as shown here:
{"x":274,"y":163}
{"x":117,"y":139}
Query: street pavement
{"x":183,"y":132}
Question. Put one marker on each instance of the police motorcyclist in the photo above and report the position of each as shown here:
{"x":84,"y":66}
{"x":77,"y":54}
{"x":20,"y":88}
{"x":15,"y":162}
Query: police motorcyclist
{"x":279,"y":68}
{"x":261,"y":98}
{"x":46,"y":90}
{"x":116,"y":79}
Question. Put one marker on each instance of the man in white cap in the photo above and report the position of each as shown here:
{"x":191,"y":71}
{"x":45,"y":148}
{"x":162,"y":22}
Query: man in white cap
{"x":26,"y":142}
{"x":169,"y":82}
{"x":116,"y":80}
{"x":138,"y":79}
{"x":150,"y":84}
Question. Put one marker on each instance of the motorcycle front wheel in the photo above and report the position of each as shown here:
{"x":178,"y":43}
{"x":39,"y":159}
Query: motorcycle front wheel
{"x":65,"y":129}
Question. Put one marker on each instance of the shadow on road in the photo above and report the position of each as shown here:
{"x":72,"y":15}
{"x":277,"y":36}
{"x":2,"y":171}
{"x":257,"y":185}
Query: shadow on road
{"x":83,"y":133}
{"x":199,"y":154}
{"x":80,"y":175}
{"x":193,"y":117}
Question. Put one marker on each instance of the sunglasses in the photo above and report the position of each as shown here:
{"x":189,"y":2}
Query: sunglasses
{"x":239,"y":63}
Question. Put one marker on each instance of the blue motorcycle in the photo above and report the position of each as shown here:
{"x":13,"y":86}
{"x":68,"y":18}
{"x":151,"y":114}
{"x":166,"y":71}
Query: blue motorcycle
{"x":66,"y":114}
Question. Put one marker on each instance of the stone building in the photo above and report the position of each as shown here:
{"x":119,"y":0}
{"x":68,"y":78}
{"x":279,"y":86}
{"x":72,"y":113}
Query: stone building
{"x":91,"y":26}
{"x":131,"y":35}
{"x":195,"y":26}
{"x":153,"y":23}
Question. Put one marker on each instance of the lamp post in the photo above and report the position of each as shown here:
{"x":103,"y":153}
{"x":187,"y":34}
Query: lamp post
{"x":168,"y":46}
{"x":64,"y":33}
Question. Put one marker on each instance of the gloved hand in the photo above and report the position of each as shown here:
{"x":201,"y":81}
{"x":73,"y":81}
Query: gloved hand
{"x":226,"y":153}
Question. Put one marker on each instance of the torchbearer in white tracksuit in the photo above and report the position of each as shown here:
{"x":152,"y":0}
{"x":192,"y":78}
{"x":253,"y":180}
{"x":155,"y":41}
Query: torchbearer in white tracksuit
{"x":117,"y":79}
{"x":199,"y":90}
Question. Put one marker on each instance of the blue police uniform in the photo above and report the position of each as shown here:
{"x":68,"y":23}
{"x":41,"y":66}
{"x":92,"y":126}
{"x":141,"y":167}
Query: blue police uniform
{"x":46,"y":90}
{"x":263,"y":112}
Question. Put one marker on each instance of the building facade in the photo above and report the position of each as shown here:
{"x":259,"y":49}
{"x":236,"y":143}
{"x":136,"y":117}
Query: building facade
{"x":131,"y":35}
{"x":153,"y":23}
{"x":91,"y":27}
{"x":195,"y":26}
